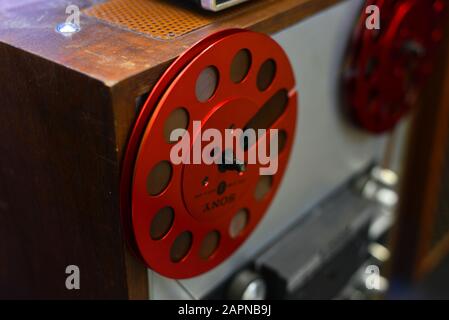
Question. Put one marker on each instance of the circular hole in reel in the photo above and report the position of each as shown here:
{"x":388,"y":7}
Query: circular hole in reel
{"x":181,"y":246}
{"x":266,"y":74}
{"x":178,"y":119}
{"x":240,"y":65}
{"x":206,"y":84}
{"x":238,"y":223}
{"x":209,"y":245}
{"x":263,"y":187}
{"x":282,"y":141}
{"x":162,"y":223}
{"x":159,"y":178}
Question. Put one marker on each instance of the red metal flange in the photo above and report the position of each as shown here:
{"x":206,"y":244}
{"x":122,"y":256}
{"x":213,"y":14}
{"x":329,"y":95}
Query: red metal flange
{"x":184,"y":219}
{"x":388,"y":67}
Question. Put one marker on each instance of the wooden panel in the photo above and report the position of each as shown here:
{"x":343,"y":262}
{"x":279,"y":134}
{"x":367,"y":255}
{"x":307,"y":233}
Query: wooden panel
{"x":421,"y":185}
{"x":59,"y":182}
{"x":436,"y":225}
{"x":111,"y":54}
{"x":441,"y":223}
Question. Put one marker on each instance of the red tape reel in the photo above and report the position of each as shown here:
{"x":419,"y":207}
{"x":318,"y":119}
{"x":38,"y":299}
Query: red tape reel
{"x":184,"y":219}
{"x":388,"y":67}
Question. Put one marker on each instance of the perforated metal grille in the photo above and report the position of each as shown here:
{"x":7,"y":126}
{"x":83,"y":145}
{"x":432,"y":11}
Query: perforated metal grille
{"x":158,"y":18}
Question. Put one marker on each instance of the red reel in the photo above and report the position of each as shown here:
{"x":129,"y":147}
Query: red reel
{"x":184,"y":219}
{"x":388,"y":67}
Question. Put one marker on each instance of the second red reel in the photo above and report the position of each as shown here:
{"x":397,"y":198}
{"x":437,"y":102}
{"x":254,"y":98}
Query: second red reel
{"x":388,"y":67}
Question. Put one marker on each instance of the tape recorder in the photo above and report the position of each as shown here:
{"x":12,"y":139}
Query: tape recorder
{"x":216,"y":5}
{"x":119,"y":159}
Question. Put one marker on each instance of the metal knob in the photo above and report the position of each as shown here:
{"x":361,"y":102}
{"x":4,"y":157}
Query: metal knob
{"x":247,"y":285}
